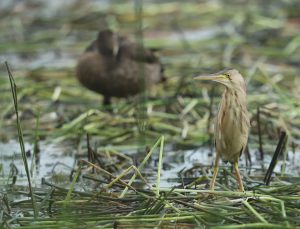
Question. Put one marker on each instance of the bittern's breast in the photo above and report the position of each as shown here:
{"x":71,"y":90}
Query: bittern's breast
{"x":231,"y":127}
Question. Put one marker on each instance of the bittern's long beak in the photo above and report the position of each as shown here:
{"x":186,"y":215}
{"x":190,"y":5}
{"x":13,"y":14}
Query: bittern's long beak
{"x":220,"y":78}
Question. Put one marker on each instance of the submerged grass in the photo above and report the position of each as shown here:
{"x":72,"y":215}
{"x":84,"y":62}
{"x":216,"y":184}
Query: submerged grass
{"x":173,"y":207}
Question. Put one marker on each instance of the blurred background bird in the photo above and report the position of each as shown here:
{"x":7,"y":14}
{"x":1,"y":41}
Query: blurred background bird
{"x":114,"y":66}
{"x":232,"y":123}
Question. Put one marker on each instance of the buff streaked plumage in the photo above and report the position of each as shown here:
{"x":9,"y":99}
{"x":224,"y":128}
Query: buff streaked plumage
{"x":232,"y":123}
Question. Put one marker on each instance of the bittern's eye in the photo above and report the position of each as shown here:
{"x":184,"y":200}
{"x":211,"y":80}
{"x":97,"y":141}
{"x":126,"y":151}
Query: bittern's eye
{"x":227,"y":76}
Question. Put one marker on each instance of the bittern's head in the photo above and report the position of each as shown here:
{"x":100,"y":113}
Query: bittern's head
{"x":108,"y":43}
{"x":232,"y":79}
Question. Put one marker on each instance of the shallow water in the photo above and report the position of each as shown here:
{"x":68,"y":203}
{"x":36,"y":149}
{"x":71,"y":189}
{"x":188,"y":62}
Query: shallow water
{"x":60,"y":160}
{"x":52,"y":159}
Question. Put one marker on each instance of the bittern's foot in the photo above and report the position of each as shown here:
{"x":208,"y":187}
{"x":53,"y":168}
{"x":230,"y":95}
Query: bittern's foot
{"x":241,"y":189}
{"x":240,"y":184}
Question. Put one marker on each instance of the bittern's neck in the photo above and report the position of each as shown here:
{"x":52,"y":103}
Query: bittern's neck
{"x":237,"y":95}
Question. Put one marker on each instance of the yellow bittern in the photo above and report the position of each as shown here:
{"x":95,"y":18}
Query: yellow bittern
{"x":232,"y":122}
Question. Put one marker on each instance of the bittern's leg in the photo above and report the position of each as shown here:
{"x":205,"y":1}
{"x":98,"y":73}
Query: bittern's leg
{"x":238,"y":176}
{"x":216,"y":168}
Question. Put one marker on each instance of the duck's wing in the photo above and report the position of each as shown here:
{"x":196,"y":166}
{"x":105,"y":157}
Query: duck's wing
{"x":129,"y":49}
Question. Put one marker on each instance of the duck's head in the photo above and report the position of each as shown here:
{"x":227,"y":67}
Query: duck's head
{"x":107,"y":43}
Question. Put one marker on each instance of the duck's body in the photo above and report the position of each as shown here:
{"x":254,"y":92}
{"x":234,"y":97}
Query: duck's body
{"x":116,"y":67}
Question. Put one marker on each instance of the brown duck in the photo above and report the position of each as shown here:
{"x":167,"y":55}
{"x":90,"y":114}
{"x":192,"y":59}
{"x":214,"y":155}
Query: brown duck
{"x":112,"y":65}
